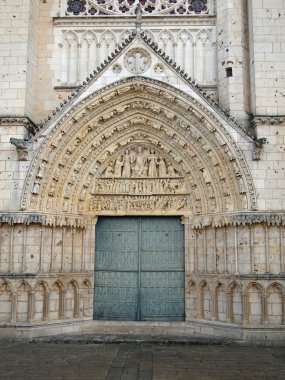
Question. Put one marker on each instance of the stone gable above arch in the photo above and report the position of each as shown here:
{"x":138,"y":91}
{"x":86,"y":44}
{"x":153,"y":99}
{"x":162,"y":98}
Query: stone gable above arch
{"x":140,"y":56}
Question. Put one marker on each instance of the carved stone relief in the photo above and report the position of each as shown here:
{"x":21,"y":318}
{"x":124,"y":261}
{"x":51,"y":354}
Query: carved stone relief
{"x":140,"y":162}
{"x":140,"y":142}
{"x":137,"y":60}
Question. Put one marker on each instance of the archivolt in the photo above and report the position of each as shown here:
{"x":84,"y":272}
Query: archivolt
{"x":139,"y":112}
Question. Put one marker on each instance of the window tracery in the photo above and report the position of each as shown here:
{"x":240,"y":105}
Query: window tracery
{"x":127,"y":7}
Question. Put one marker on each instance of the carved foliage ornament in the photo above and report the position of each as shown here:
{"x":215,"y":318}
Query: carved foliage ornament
{"x":127,"y":7}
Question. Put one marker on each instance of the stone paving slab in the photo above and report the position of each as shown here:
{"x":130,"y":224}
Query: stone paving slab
{"x":139,"y":360}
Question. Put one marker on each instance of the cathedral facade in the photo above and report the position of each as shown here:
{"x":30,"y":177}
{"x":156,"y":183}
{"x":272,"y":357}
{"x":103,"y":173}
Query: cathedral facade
{"x":142,"y":167}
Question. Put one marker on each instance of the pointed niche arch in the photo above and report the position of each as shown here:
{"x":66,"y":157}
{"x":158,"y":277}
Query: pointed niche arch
{"x":138,"y":147}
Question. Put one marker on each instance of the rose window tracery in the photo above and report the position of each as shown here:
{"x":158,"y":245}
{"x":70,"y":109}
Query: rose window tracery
{"x":127,"y":7}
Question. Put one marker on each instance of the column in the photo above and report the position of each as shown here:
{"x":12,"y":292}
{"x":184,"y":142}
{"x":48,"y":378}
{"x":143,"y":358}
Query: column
{"x":46,"y":306}
{"x":230,"y":307}
{"x":189,"y":245}
{"x":245,"y":308}
{"x":200,"y":299}
{"x":31,"y":306}
{"x":62,"y":304}
{"x":14,"y":308}
{"x":214,"y":300}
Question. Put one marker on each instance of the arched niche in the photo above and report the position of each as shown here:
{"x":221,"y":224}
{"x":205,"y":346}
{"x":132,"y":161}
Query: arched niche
{"x":199,"y":168}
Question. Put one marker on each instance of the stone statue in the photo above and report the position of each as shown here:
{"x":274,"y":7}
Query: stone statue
{"x":152,"y":166}
{"x":109,"y":170}
{"x":41,"y":170}
{"x":162,"y":170}
{"x":126,"y":163}
{"x":140,"y":167}
{"x":171,"y":170}
{"x":36,"y":188}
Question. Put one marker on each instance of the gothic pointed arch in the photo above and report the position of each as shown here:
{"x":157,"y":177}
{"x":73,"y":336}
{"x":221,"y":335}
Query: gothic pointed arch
{"x":139,"y":147}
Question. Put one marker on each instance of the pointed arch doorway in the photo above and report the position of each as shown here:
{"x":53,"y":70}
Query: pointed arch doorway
{"x":139,"y":269}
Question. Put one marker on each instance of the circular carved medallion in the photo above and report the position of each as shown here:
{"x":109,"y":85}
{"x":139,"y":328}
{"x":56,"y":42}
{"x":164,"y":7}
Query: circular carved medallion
{"x":137,"y":60}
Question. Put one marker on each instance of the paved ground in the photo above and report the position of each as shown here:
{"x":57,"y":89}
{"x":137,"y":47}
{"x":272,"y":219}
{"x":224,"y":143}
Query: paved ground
{"x":134,"y":360}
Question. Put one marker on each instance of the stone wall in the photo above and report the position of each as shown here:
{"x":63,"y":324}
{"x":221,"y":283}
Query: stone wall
{"x":267,"y":56}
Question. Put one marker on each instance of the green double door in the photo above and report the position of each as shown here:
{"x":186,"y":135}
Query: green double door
{"x":139,"y":269}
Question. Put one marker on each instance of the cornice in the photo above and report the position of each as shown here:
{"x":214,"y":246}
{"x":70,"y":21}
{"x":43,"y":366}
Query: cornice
{"x":238,"y":219}
{"x":46,"y":220}
{"x":119,"y":21}
{"x":267,"y":120}
{"x":197,"y":222}
{"x":20,"y":121}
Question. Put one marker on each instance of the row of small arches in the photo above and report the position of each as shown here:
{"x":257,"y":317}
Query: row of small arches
{"x":81,"y":54}
{"x":163,"y":35}
{"x":252,"y":304}
{"x":44,"y":302}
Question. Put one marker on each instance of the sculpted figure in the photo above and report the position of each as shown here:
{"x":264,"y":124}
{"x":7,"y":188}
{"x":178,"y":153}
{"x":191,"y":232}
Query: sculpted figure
{"x":109,"y":170}
{"x":41,"y":170}
{"x":140,"y":167}
{"x":152,"y":166}
{"x":162,"y":168}
{"x":119,"y":163}
{"x":171,"y":170}
{"x":126,"y":172}
{"x":36,"y":188}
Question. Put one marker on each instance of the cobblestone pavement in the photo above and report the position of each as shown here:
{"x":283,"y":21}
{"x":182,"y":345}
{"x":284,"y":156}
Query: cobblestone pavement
{"x":139,"y":361}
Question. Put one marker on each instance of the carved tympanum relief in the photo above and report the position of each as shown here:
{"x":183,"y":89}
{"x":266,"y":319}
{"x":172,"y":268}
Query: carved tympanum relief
{"x":140,"y":162}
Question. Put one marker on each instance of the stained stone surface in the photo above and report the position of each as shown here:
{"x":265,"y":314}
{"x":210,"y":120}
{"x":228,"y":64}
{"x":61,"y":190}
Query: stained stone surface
{"x":135,"y":360}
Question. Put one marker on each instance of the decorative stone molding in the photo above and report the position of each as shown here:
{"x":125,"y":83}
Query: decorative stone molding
{"x":30,"y":126}
{"x":45,"y":220}
{"x":238,"y":219}
{"x":267,"y":120}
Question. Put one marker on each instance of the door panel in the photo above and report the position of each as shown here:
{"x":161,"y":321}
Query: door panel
{"x":139,"y":269}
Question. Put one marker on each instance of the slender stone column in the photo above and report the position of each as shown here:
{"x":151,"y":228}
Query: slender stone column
{"x":189,"y":246}
{"x":77,"y":303}
{"x":201,"y":312}
{"x":31,"y":306}
{"x":11,"y":251}
{"x":14,"y":308}
{"x":46,"y":306}
{"x":214,"y":299}
{"x":62,"y":304}
{"x":245,"y":309}
{"x":230,"y":307}
{"x":283,"y":309}
{"x":264,"y":308}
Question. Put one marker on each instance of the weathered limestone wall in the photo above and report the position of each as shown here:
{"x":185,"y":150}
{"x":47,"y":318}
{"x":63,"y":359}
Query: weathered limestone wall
{"x":267,"y":29}
{"x":268,"y":172}
{"x":232,"y":41}
{"x":18,"y":57}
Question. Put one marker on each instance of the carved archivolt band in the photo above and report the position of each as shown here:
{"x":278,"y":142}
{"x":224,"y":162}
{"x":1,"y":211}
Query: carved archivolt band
{"x":146,"y":146}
